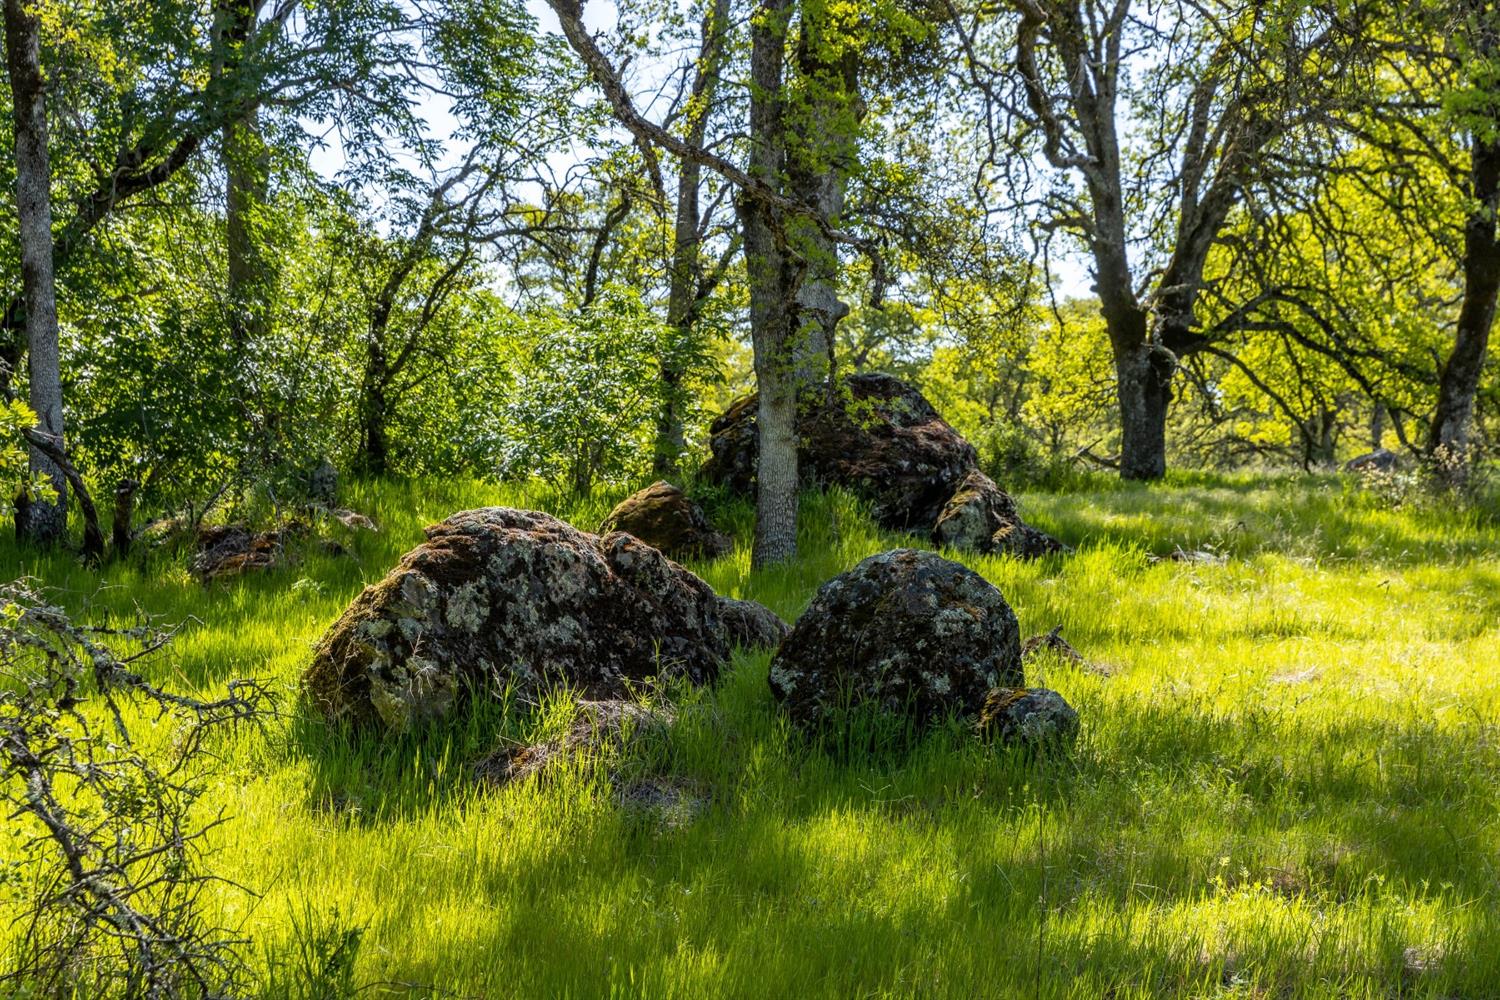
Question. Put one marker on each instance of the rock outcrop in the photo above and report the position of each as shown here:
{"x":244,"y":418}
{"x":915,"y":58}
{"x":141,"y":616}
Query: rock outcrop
{"x":510,"y":600}
{"x":906,"y":632}
{"x":981,"y":517}
{"x":664,"y":517}
{"x":879,"y":437}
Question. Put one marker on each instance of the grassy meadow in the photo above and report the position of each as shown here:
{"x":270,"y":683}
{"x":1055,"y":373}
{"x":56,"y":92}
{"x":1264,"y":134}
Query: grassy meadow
{"x":1287,"y":782}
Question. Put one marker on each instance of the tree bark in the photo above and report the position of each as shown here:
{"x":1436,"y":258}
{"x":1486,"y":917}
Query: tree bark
{"x":37,"y":520}
{"x":1458,"y":383}
{"x":773,"y":310}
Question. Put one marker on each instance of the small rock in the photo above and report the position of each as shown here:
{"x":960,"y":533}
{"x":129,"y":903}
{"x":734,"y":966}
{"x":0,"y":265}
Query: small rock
{"x":1035,"y":717}
{"x":227,"y":550}
{"x":1379,"y":460}
{"x":1196,"y":557}
{"x":906,"y":631}
{"x":751,"y":625}
{"x":1053,"y":642}
{"x":601,"y":728}
{"x":664,"y":517}
{"x":981,"y":517}
{"x":353,"y":519}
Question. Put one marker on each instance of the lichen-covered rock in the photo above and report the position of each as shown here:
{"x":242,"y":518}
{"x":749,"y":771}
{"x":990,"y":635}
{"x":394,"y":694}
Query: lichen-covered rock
{"x":1034,"y":717}
{"x":879,"y":437}
{"x":226,"y":550}
{"x":663,"y":516}
{"x":501,"y":599}
{"x":905,"y":631}
{"x":981,"y":517}
{"x":751,"y":625}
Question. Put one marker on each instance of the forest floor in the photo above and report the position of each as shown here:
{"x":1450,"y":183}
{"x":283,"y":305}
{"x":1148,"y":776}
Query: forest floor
{"x":1287,"y":781}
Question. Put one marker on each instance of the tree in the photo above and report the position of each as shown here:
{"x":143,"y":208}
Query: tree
{"x":1166,"y":117}
{"x":38,"y":519}
{"x":688,"y":285}
{"x":803,"y":124}
{"x":1477,"y":106}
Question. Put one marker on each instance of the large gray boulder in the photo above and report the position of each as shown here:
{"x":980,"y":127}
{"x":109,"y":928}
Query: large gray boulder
{"x":981,"y":517}
{"x":500,"y":599}
{"x":907,"y":632}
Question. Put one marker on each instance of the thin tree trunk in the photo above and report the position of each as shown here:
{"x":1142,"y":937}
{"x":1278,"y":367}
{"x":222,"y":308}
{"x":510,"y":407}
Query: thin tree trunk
{"x":246,"y":165}
{"x":772,"y":309}
{"x":1453,"y":422}
{"x":374,"y":444}
{"x":36,"y":520}
{"x":682,"y":295}
{"x":817,"y":168}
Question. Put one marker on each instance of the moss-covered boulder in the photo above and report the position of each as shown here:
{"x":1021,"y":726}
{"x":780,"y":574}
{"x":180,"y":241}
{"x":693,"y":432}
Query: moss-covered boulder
{"x":981,"y":517}
{"x":906,"y":632}
{"x":500,"y":599}
{"x":877,"y":436}
{"x":663,"y":516}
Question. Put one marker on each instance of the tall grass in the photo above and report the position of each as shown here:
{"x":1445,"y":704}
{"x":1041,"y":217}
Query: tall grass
{"x":1287,"y":781}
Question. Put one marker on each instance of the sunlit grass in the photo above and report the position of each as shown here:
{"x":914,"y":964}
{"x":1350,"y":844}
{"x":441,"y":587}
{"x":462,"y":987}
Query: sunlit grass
{"x":1287,"y":782}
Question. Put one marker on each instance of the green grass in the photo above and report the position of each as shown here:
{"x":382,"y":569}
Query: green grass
{"x":1288,"y":783}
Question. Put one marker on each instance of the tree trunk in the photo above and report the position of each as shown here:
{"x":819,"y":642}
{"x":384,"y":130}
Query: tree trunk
{"x":1144,"y":375}
{"x":246,"y":164}
{"x":824,"y":123}
{"x":671,"y":438}
{"x":772,"y":289}
{"x":36,"y":520}
{"x":682,"y":296}
{"x":1453,"y":422}
{"x":374,"y":444}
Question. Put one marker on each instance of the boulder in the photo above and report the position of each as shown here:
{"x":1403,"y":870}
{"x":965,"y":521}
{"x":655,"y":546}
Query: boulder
{"x":1379,"y":460}
{"x":226,"y":550}
{"x":1033,"y":717}
{"x":511,"y":600}
{"x":663,"y":516}
{"x":981,"y":517}
{"x":905,"y":631}
{"x":752,"y":625}
{"x":878,"y":437}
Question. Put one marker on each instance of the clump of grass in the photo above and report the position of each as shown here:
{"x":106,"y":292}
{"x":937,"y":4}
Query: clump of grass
{"x":1287,"y":785}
